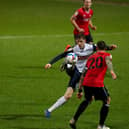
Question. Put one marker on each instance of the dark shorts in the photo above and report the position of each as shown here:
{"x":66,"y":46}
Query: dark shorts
{"x":99,"y":93}
{"x":74,"y":77}
{"x":87,"y":37}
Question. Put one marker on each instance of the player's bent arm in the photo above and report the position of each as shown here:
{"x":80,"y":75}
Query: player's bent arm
{"x":72,"y":19}
{"x":108,"y":47}
{"x":57,"y":58}
{"x":91,"y":25}
{"x":111,"y":47}
{"x":110,"y":67}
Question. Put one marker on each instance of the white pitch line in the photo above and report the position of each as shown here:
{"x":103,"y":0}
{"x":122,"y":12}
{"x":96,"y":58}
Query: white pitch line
{"x":33,"y":36}
{"x":54,"y":36}
{"x":113,"y":33}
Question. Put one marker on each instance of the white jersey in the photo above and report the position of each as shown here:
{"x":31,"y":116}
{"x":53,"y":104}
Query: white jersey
{"x":83,"y":55}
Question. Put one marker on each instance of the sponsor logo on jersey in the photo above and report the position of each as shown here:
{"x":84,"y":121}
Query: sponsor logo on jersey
{"x":82,"y":57}
{"x":86,"y":19}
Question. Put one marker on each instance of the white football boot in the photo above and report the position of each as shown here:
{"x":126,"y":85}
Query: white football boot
{"x":102,"y":127}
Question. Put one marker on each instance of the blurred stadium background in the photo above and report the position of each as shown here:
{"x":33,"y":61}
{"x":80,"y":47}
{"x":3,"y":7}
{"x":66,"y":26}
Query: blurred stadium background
{"x":31,"y":33}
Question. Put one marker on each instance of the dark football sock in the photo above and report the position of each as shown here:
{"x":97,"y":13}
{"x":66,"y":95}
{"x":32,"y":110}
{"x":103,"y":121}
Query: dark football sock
{"x":103,"y":113}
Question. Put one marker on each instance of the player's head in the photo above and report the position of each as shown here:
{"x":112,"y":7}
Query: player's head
{"x":101,"y":45}
{"x":87,"y":4}
{"x":81,"y":40}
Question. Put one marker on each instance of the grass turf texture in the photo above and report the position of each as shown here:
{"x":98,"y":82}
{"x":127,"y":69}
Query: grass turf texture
{"x":26,"y":89}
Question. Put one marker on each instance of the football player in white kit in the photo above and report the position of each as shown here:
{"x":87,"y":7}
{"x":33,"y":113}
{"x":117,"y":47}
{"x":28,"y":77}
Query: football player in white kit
{"x":83,"y":51}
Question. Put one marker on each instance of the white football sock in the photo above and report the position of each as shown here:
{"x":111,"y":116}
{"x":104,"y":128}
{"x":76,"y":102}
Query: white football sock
{"x":57,"y":104}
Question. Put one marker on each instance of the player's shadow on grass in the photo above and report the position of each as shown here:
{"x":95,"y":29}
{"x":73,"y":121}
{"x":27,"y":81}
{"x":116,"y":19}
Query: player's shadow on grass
{"x":32,"y":117}
{"x":21,"y":116}
{"x":35,"y":128}
{"x":25,"y":77}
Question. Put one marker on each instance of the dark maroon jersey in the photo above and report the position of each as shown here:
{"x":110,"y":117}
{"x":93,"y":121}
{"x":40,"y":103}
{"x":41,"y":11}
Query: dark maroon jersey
{"x":82,"y":19}
{"x":96,"y":69}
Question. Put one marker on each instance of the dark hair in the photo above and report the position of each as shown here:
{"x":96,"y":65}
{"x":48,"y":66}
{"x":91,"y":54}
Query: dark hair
{"x":101,"y":45}
{"x":91,"y":0}
{"x":81,"y":36}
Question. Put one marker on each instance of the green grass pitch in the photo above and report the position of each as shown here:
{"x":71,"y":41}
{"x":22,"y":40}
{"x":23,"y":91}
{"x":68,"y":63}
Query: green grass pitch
{"x":34,"y":31}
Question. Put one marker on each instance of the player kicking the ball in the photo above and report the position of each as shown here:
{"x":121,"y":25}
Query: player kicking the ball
{"x":83,"y":51}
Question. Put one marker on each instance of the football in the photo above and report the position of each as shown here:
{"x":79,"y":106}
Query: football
{"x":71,"y":58}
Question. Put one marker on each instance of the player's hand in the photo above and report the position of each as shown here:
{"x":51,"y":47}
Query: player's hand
{"x":113,"y":75}
{"x":47,"y":66}
{"x":81,"y":30}
{"x":113,"y":46}
{"x":93,"y":27}
{"x":79,"y":95}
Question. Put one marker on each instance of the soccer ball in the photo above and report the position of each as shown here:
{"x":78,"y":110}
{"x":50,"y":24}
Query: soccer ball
{"x":71,"y":58}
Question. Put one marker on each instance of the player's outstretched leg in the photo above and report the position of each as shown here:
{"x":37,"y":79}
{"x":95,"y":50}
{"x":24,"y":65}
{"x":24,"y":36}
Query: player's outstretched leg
{"x":57,"y":104}
{"x":60,"y":101}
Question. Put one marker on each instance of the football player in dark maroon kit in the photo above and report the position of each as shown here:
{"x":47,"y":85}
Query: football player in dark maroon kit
{"x":81,"y":21}
{"x":92,"y":81}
